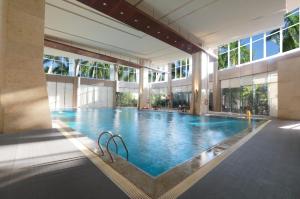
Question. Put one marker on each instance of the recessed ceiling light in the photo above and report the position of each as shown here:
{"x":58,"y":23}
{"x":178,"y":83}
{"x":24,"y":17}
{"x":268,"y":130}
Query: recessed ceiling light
{"x":121,"y":13}
{"x":104,"y":3}
{"x":158,"y":32}
{"x":136,"y":20}
{"x":148,"y":27}
{"x":175,"y":41}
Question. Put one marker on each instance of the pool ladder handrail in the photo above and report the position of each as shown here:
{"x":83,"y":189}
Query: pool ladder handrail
{"x":110,"y":135}
{"x":112,"y":138}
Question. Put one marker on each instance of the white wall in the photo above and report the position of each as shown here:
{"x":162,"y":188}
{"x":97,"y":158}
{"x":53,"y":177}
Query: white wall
{"x":60,"y":95}
{"x":95,"y":96}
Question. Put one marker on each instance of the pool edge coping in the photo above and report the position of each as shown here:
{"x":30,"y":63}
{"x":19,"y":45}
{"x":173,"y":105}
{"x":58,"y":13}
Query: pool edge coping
{"x":120,"y":181}
{"x":188,"y":182}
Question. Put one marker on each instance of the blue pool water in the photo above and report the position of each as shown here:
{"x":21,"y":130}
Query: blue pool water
{"x":156,"y":141}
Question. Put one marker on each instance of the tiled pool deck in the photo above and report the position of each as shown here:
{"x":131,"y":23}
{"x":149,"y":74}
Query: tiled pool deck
{"x":45,"y":164}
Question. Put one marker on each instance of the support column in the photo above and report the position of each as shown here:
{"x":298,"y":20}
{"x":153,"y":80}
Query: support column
{"x":144,"y":89}
{"x":24,"y":92}
{"x":114,"y":76}
{"x":3,"y":9}
{"x":169,"y":91}
{"x":200,"y":90}
{"x":76,"y":91}
{"x":216,"y":90}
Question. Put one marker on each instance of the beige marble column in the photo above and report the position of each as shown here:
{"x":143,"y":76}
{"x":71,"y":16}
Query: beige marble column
{"x":216,"y":90}
{"x":196,"y":84}
{"x":24,"y":93}
{"x":143,"y":88}
{"x":76,"y":91}
{"x":200,"y":90}
{"x":3,"y":9}
{"x":169,"y":90}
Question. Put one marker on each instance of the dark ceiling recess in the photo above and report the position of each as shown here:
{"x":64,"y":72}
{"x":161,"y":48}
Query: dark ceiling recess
{"x":128,"y":14}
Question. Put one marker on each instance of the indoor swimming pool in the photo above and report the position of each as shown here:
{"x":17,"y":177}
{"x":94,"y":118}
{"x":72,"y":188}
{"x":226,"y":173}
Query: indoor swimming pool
{"x":157,"y":141}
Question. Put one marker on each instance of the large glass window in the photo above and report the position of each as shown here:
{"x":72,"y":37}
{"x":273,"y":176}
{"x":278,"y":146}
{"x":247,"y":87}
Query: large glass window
{"x":260,"y":103}
{"x":57,"y":65}
{"x":262,"y":45}
{"x":234,"y":53}
{"x":182,"y":99}
{"x":127,"y":99}
{"x":246,"y":98}
{"x":156,"y":76}
{"x":235,"y":100}
{"x":291,"y":31}
{"x":223,"y":57}
{"x":226,"y":99}
{"x":180,"y":69}
{"x":127,"y":74}
{"x":245,"y":50}
{"x":273,"y":42}
{"x":94,"y":69}
{"x":258,"y":46}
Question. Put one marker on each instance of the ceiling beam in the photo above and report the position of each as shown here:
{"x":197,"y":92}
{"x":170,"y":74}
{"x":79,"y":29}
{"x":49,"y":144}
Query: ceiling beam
{"x":79,"y":51}
{"x":134,"y":17}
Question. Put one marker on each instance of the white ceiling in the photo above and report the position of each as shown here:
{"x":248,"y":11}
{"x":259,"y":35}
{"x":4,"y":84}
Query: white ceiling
{"x":214,"y":22}
{"x":70,"y":20}
{"x":211,"y":22}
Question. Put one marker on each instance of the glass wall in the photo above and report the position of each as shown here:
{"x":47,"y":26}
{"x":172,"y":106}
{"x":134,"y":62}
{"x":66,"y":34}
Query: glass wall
{"x":181,"y":69}
{"x":156,"y":76}
{"x":263,"y":45}
{"x":248,"y":93}
{"x":76,"y":67}
{"x":95,"y":70}
{"x":158,"y":97}
{"x":127,"y":99}
{"x":127,"y":74}
{"x":58,"y":65}
{"x":182,"y":99}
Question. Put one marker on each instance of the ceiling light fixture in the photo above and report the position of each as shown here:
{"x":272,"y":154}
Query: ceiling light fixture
{"x":158,"y":32}
{"x":136,"y":20}
{"x":121,"y":13}
{"x":148,"y":27}
{"x":104,"y":3}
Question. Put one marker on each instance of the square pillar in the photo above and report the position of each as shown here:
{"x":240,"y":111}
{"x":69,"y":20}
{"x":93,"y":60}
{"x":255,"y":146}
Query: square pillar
{"x":144,"y":89}
{"x":200,"y":79}
{"x":24,"y":92}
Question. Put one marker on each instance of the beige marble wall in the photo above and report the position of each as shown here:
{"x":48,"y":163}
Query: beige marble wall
{"x":2,"y":51}
{"x":24,"y":94}
{"x":143,"y":89}
{"x":288,"y":88}
{"x":196,"y":83}
{"x":286,"y":92}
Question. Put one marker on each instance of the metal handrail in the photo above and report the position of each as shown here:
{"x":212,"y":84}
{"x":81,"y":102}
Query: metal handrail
{"x":112,"y":138}
{"x":111,"y":135}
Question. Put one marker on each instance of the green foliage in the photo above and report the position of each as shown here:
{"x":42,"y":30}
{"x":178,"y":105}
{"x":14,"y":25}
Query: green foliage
{"x":158,"y":100}
{"x":223,"y":61}
{"x":245,"y":54}
{"x":291,"y":38}
{"x":126,"y":99}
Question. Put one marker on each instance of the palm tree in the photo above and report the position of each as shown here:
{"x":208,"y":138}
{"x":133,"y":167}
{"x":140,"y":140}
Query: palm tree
{"x":291,"y":34}
{"x":84,"y":68}
{"x":56,"y":65}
